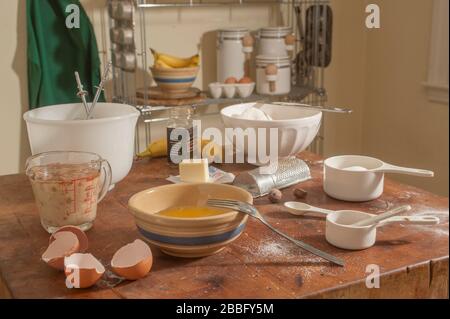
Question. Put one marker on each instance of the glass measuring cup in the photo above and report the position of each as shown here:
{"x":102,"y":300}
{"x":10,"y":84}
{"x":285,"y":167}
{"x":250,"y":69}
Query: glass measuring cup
{"x":67,"y":186}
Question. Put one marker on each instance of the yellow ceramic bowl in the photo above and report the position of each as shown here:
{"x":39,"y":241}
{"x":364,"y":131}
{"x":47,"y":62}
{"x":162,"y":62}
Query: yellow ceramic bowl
{"x":188,"y":237}
{"x":174,"y":80}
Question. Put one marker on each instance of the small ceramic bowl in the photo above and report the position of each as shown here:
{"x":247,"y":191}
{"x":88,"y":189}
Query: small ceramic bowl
{"x":188,"y":237}
{"x":174,"y":80}
{"x":215,"y":89}
{"x":245,"y":89}
{"x":229,"y":90}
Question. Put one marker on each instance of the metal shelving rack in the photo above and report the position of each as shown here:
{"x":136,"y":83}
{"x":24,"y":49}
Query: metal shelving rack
{"x":125,"y":82}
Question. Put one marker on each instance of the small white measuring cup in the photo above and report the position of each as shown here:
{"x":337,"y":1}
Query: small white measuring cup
{"x":339,"y":228}
{"x":360,"y":178}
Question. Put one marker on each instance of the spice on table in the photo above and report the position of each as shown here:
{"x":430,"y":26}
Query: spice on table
{"x":299,"y":192}
{"x":275,"y":195}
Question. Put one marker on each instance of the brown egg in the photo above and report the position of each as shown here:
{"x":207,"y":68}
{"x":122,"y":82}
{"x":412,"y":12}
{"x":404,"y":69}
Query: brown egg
{"x":63,"y":244}
{"x":133,"y":261}
{"x":245,"y":80}
{"x":81,"y":235}
{"x":82,"y":270}
{"x":231,"y":80}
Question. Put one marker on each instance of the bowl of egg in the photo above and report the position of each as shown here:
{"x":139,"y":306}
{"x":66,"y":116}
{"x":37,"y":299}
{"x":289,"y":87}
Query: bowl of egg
{"x":176,"y":219}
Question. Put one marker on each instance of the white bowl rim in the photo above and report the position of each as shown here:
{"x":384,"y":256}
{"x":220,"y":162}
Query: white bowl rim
{"x":329,"y":163}
{"x":29,"y":119}
{"x":294,"y":121}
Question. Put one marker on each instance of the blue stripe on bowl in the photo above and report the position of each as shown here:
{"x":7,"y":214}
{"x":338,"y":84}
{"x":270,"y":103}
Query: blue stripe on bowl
{"x":166,"y":80}
{"x":192,"y":241}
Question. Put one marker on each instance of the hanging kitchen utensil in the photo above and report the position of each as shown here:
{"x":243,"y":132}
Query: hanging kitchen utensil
{"x":318,"y":35}
{"x":302,"y":69}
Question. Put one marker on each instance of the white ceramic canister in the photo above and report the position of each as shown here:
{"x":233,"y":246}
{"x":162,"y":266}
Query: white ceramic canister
{"x":273,"y":75}
{"x":272,"y":41}
{"x":231,"y":53}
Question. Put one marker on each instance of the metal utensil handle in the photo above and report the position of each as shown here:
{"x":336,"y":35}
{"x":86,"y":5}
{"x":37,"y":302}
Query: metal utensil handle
{"x":303,"y":245}
{"x":100,"y":88}
{"x":81,"y":92}
{"x":316,"y":107}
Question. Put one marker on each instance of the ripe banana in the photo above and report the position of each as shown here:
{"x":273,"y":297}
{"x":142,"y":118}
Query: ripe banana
{"x":155,"y":149}
{"x":175,"y":62}
{"x":159,"y":149}
{"x":162,"y":64}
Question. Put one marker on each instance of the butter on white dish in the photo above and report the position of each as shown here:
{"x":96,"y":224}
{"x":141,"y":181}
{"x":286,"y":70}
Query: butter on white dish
{"x":254,"y":113}
{"x":194,"y":170}
{"x":215,"y":176}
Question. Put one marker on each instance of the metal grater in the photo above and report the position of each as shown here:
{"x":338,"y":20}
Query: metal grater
{"x":290,"y":171}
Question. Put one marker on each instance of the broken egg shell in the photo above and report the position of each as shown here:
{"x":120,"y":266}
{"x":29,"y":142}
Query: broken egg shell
{"x":82,"y":270}
{"x":64,"y":244}
{"x":81,"y":235}
{"x":133,"y":261}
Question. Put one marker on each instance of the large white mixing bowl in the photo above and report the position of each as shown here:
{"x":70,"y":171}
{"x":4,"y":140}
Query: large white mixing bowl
{"x":110,"y":133}
{"x":297,"y":127}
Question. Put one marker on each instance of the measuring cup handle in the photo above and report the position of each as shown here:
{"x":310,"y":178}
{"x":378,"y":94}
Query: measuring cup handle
{"x":106,"y":180}
{"x":415,"y":220}
{"x":389,"y":168}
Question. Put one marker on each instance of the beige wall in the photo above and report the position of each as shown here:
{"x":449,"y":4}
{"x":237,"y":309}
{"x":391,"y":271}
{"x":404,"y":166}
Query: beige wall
{"x":13,"y":87}
{"x":400,"y":124}
{"x":378,"y":73}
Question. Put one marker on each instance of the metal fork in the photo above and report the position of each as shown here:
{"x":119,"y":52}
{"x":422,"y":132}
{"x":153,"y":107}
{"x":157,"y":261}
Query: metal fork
{"x":253,"y":212}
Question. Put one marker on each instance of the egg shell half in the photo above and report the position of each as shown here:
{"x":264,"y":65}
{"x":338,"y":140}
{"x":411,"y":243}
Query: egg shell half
{"x":82,"y":270}
{"x":81,"y":235}
{"x":133,"y":261}
{"x":64,"y":244}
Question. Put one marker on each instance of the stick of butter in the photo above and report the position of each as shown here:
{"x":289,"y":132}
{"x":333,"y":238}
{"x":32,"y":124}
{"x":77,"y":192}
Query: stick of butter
{"x":194,"y":170}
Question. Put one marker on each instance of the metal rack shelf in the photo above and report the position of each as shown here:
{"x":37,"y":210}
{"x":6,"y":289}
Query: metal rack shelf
{"x":215,"y":3}
{"x":309,"y":89}
{"x":297,"y":94}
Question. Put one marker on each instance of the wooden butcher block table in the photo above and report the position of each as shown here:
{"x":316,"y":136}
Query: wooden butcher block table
{"x":413,"y":260}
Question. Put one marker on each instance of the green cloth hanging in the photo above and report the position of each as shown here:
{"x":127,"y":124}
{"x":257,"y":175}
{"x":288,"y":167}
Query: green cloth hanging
{"x":55,"y":52}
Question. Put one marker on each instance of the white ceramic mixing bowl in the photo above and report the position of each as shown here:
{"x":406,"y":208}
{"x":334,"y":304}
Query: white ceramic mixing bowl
{"x":110,"y":133}
{"x":297,"y":127}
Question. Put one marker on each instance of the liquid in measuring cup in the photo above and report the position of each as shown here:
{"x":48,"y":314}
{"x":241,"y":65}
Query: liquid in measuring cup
{"x":65,"y":194}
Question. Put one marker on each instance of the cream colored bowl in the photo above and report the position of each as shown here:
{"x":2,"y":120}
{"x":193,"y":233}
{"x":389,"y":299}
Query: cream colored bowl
{"x":188,"y":237}
{"x":297,"y":127}
{"x":174,"y":80}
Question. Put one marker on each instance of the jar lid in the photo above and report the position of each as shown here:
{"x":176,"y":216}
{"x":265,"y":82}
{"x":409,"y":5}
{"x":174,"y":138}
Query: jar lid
{"x":233,"y":30}
{"x":272,"y":59}
{"x":276,"y":31}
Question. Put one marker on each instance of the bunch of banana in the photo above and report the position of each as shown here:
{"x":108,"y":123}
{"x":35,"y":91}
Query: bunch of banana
{"x":159,"y":149}
{"x":167,"y":61}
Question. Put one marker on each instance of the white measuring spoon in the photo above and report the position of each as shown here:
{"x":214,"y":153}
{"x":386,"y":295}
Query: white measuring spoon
{"x":299,"y":208}
{"x":378,"y":218}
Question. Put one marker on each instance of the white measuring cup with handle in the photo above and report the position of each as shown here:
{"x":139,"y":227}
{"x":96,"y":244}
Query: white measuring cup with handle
{"x":358,"y":178}
{"x":339,"y":228}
